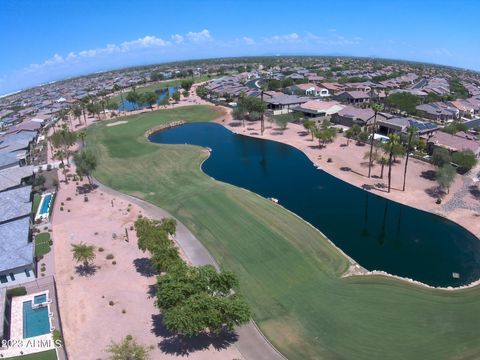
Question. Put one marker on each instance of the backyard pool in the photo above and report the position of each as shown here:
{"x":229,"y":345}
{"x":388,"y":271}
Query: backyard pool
{"x":35,"y":321}
{"x":40,"y":299}
{"x":44,"y":208}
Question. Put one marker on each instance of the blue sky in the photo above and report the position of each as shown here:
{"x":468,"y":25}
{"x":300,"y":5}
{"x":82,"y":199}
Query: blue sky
{"x":53,"y":39}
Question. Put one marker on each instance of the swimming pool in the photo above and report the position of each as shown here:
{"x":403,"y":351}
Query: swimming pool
{"x":35,"y":321}
{"x":45,"y":204}
{"x":44,"y":208}
{"x":40,"y":299}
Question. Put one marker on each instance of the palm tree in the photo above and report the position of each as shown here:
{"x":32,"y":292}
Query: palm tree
{"x":382,"y":161}
{"x":263,"y":87}
{"x":82,"y":135}
{"x":77,"y":112}
{"x":84,"y":102}
{"x":391,"y":147}
{"x":376,"y":108}
{"x":349,"y":134}
{"x":83,"y":253}
{"x":412,"y":131}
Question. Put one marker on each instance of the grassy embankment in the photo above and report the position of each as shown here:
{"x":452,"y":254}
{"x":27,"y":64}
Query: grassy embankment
{"x":288,"y":271}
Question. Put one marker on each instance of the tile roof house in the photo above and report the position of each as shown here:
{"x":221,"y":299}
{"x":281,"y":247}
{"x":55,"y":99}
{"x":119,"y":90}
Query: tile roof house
{"x":387,"y":126}
{"x":333,"y":88}
{"x":16,"y":253}
{"x":17,"y":262}
{"x":14,"y":176}
{"x":15,"y":203}
{"x":351,"y":115}
{"x":317,"y":108}
{"x":309,"y":90}
{"x":453,"y":143}
{"x":353,"y":97}
{"x":284,"y":104}
{"x":438,"y":111}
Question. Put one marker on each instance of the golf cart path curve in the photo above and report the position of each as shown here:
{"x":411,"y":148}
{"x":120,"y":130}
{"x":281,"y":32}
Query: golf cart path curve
{"x":252,"y":344}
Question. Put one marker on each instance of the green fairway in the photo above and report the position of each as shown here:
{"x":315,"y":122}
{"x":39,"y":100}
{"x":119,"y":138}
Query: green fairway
{"x":164,"y":84}
{"x":46,"y":355}
{"x":288,"y":271}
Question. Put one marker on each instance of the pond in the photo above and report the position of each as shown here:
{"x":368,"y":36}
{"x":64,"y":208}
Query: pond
{"x":377,"y":233}
{"x":162,"y":93}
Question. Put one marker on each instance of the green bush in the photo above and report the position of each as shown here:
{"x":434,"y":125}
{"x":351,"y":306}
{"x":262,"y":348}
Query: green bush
{"x":19,"y":291}
{"x":465,"y":160}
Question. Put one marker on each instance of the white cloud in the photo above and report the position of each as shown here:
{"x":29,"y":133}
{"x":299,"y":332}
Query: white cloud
{"x":145,"y":42}
{"x":292,"y":37}
{"x":177,"y":38}
{"x":248,"y":40}
{"x":200,"y":36}
{"x":332,"y":30}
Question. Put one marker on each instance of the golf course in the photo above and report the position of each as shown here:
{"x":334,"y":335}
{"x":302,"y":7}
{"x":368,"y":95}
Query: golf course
{"x":289,"y":273}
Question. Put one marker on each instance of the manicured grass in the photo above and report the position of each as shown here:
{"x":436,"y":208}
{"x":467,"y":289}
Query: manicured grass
{"x":36,"y":203}
{"x":42,"y":244}
{"x":164,"y":84}
{"x":45,"y":355}
{"x":289,"y":273}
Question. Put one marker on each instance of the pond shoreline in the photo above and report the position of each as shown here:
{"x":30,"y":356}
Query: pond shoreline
{"x":354,"y":269}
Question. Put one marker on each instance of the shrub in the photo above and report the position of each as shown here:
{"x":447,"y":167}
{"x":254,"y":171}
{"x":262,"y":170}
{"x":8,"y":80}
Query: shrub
{"x":19,"y":291}
{"x":440,"y":157}
{"x":439,"y":201}
{"x":124,"y":311}
{"x":111,"y":303}
{"x":109,"y":257}
{"x":329,"y":160}
{"x":61,"y":208}
{"x":57,"y":336}
{"x":114,"y":262}
{"x":100,"y":249}
{"x":69,"y":198}
{"x":465,"y":160}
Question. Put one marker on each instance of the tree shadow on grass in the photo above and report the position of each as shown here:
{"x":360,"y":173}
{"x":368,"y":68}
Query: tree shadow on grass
{"x":145,"y":267}
{"x":180,"y":345}
{"x":86,"y":269}
{"x":429,"y":175}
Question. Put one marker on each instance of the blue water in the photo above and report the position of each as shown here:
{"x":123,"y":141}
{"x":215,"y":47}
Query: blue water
{"x":378,"y":233}
{"x":40,"y":299}
{"x":129,"y":106}
{"x":45,"y":204}
{"x":35,"y":321}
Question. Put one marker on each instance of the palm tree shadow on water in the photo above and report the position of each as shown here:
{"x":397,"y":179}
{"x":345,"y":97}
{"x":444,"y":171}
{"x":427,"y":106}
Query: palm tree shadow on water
{"x":381,"y":235}
{"x":364,"y":231}
{"x":180,"y":345}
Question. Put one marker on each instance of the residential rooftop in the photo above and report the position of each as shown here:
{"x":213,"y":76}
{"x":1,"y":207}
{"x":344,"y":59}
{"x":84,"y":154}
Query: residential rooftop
{"x":15,"y":248}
